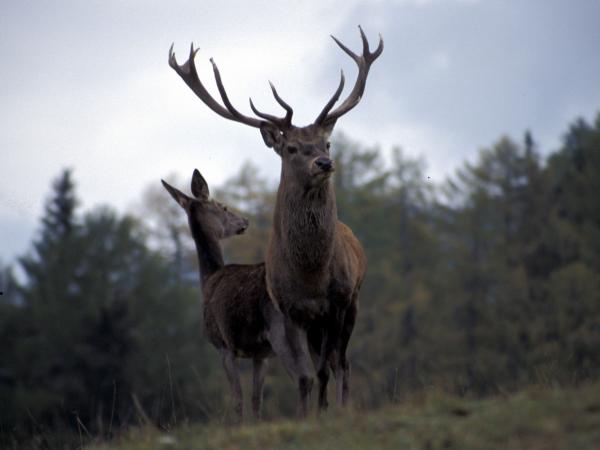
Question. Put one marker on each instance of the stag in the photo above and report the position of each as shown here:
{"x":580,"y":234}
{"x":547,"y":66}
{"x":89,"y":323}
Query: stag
{"x":240,"y":319}
{"x":314,"y":265}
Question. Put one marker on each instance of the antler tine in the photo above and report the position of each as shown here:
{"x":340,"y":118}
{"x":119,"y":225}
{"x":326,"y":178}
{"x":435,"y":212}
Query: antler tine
{"x":366,"y":52}
{"x":364,"y":64}
{"x":281,"y":122}
{"x":333,"y":99}
{"x":189,"y":74}
{"x":269,"y":117}
{"x":238,"y":115}
{"x":284,"y":105}
{"x":365,"y":42}
{"x":349,"y":52}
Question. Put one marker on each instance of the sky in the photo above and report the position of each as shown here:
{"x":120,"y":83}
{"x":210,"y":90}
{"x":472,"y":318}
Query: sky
{"x":86,"y":85}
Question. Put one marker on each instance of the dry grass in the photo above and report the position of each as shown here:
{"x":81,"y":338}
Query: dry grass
{"x":532,"y":419}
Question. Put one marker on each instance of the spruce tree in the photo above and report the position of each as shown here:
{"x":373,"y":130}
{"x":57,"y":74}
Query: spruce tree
{"x":45,"y":268}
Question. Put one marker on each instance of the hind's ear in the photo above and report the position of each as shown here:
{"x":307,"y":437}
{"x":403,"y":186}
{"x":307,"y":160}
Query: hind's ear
{"x":199,"y":185}
{"x":178,"y":196}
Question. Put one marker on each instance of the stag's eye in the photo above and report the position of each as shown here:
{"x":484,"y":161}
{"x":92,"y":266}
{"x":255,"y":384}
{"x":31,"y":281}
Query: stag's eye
{"x":291,"y":149}
{"x":328,"y":145}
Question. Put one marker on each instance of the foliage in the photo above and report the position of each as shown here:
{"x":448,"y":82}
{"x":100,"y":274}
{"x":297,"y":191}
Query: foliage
{"x":482,"y":285}
{"x":101,"y":335}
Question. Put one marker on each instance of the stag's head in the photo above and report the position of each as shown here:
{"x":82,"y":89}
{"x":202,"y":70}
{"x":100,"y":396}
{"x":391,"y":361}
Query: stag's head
{"x":304,"y":151}
{"x":210,"y":217}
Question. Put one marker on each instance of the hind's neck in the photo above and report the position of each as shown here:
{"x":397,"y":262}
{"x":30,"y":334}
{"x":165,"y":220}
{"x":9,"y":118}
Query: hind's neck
{"x":210,"y":255}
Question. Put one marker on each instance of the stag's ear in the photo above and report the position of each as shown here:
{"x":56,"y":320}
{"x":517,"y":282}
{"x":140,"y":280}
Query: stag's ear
{"x":199,"y":185}
{"x":177,"y":195}
{"x":271,"y":135}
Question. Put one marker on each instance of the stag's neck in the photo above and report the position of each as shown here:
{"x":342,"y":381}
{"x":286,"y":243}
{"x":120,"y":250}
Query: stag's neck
{"x":305,"y":223}
{"x":210,"y":256}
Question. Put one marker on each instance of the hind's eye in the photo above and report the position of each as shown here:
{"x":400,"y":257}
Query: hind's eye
{"x":224,"y":208}
{"x":328,"y":145}
{"x":291,"y":149}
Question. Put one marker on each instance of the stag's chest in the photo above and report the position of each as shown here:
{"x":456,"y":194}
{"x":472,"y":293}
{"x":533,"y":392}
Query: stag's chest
{"x":310,"y":240}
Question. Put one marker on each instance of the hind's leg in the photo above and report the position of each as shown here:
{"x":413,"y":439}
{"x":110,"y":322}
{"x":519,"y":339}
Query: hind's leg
{"x":233,"y":375}
{"x":258,"y":379}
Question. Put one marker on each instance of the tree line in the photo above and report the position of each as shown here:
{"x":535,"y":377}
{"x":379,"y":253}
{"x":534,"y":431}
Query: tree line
{"x":481,"y":284}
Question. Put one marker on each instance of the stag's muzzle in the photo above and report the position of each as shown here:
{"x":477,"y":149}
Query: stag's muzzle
{"x":325,"y":164}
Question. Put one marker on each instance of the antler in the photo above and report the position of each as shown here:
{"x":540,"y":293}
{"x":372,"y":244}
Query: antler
{"x":189,"y":74}
{"x":364,"y":63}
{"x":282,"y":123}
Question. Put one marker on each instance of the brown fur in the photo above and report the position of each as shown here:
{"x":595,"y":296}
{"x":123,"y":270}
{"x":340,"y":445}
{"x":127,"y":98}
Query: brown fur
{"x":235,"y":300}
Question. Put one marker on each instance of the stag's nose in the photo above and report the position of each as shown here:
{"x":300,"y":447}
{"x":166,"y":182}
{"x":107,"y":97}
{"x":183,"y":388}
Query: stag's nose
{"x":324,"y":163}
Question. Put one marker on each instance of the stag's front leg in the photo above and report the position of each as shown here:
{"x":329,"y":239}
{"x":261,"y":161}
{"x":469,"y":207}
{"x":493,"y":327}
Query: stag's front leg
{"x":233,"y":376}
{"x":258,"y":380}
{"x":316,"y":339}
{"x":290,"y":344}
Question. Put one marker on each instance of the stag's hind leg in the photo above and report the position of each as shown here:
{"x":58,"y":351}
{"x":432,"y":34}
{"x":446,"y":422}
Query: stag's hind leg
{"x":328,"y":355}
{"x":342,"y":366}
{"x":259,"y":370}
{"x":233,"y":376}
{"x":322,"y":368}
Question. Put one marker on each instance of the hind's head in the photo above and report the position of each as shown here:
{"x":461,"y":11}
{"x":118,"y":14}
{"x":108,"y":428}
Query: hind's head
{"x":206,"y":214}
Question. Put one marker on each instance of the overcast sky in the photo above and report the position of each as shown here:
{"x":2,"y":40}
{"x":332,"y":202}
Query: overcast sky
{"x":86,"y":85}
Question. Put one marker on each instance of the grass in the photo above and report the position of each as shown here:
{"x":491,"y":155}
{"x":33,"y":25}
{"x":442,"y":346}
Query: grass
{"x":532,"y":419}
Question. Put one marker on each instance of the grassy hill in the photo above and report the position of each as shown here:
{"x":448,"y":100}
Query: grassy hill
{"x":532,"y":419}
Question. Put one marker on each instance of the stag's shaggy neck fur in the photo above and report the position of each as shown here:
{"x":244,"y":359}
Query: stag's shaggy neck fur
{"x":307,"y":225}
{"x":210,"y":256}
{"x":302,"y":247}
